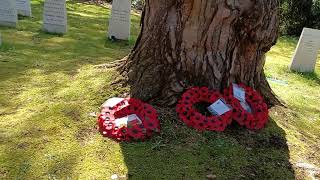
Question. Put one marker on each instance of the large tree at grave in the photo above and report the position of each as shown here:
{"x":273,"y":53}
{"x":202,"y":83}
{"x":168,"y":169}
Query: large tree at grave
{"x":201,"y":42}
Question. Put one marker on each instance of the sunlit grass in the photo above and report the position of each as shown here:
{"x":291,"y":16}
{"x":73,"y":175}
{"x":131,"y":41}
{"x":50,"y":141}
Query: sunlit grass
{"x":48,"y":87}
{"x":301,"y":119}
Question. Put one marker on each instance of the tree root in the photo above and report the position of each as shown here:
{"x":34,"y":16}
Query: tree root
{"x":120,"y":80}
{"x":114,"y":64}
{"x":119,"y":77}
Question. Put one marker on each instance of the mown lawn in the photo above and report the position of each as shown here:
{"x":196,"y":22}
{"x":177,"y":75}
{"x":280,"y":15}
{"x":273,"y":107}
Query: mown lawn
{"x":48,"y":87}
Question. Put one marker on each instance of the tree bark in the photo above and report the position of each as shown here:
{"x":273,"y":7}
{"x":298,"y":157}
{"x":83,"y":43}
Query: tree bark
{"x":201,"y":43}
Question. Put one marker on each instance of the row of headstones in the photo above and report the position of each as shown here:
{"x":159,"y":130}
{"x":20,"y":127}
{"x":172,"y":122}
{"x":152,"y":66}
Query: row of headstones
{"x":55,"y":16}
{"x":55,"y":21}
{"x":9,"y":10}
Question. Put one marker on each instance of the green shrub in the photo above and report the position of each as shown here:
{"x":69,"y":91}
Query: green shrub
{"x":138,"y":4}
{"x":297,"y":14}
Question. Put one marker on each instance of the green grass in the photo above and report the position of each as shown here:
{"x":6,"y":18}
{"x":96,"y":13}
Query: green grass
{"x":301,"y":118}
{"x":48,"y":86}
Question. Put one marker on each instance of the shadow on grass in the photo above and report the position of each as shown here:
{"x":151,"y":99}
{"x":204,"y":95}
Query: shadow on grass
{"x":46,"y":35}
{"x":312,"y":76}
{"x":102,"y":4}
{"x":182,"y":153}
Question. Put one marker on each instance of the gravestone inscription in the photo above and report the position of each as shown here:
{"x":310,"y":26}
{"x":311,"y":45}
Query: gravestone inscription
{"x":8,"y":13}
{"x":306,"y":53}
{"x":55,"y":16}
{"x":24,"y":7}
{"x":119,"y":23}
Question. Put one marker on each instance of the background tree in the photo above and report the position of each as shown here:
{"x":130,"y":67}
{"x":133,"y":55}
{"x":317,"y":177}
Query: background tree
{"x":138,"y":4}
{"x":297,"y":14}
{"x":316,"y":14}
{"x":204,"y":43}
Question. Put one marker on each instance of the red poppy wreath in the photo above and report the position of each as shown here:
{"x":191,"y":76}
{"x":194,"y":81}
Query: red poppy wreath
{"x":249,"y":108}
{"x":130,"y":119}
{"x":193,"y":118}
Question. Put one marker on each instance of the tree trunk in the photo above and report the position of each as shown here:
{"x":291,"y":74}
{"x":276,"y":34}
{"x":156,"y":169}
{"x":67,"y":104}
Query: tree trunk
{"x":201,"y":43}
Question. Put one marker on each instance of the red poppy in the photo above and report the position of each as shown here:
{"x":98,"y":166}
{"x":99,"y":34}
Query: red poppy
{"x":201,"y":124}
{"x":197,"y":117}
{"x":204,"y":93}
{"x":150,"y":125}
{"x":186,"y":119}
{"x":100,"y":121}
{"x":135,"y":132}
{"x":194,"y":92}
{"x":214,"y":96}
{"x":114,"y":132}
{"x":120,"y":135}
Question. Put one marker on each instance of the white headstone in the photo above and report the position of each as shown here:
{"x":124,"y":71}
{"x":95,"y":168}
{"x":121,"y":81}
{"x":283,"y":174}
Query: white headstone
{"x":24,"y":7}
{"x":8,"y":13}
{"x":119,"y":23}
{"x":306,"y":54}
{"x":55,"y":16}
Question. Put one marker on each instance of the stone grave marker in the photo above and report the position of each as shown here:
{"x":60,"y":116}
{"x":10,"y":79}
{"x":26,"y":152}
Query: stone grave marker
{"x":8,"y":13}
{"x":55,"y":16}
{"x":119,"y":23}
{"x":24,"y":7}
{"x":306,"y":53}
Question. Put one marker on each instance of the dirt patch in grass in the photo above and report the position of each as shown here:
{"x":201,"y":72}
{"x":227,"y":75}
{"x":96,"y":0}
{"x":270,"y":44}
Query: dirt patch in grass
{"x":85,"y":134}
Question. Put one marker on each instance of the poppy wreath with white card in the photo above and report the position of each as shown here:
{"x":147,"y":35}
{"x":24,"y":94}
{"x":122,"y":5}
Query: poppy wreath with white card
{"x":193,"y":118}
{"x":249,"y":108}
{"x":128,"y":120}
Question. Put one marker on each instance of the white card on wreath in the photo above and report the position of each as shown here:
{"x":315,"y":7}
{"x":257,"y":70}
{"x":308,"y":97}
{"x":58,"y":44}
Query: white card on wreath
{"x":246,"y":106}
{"x":132,"y":119}
{"x":239,"y":93}
{"x":219,"y":108}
